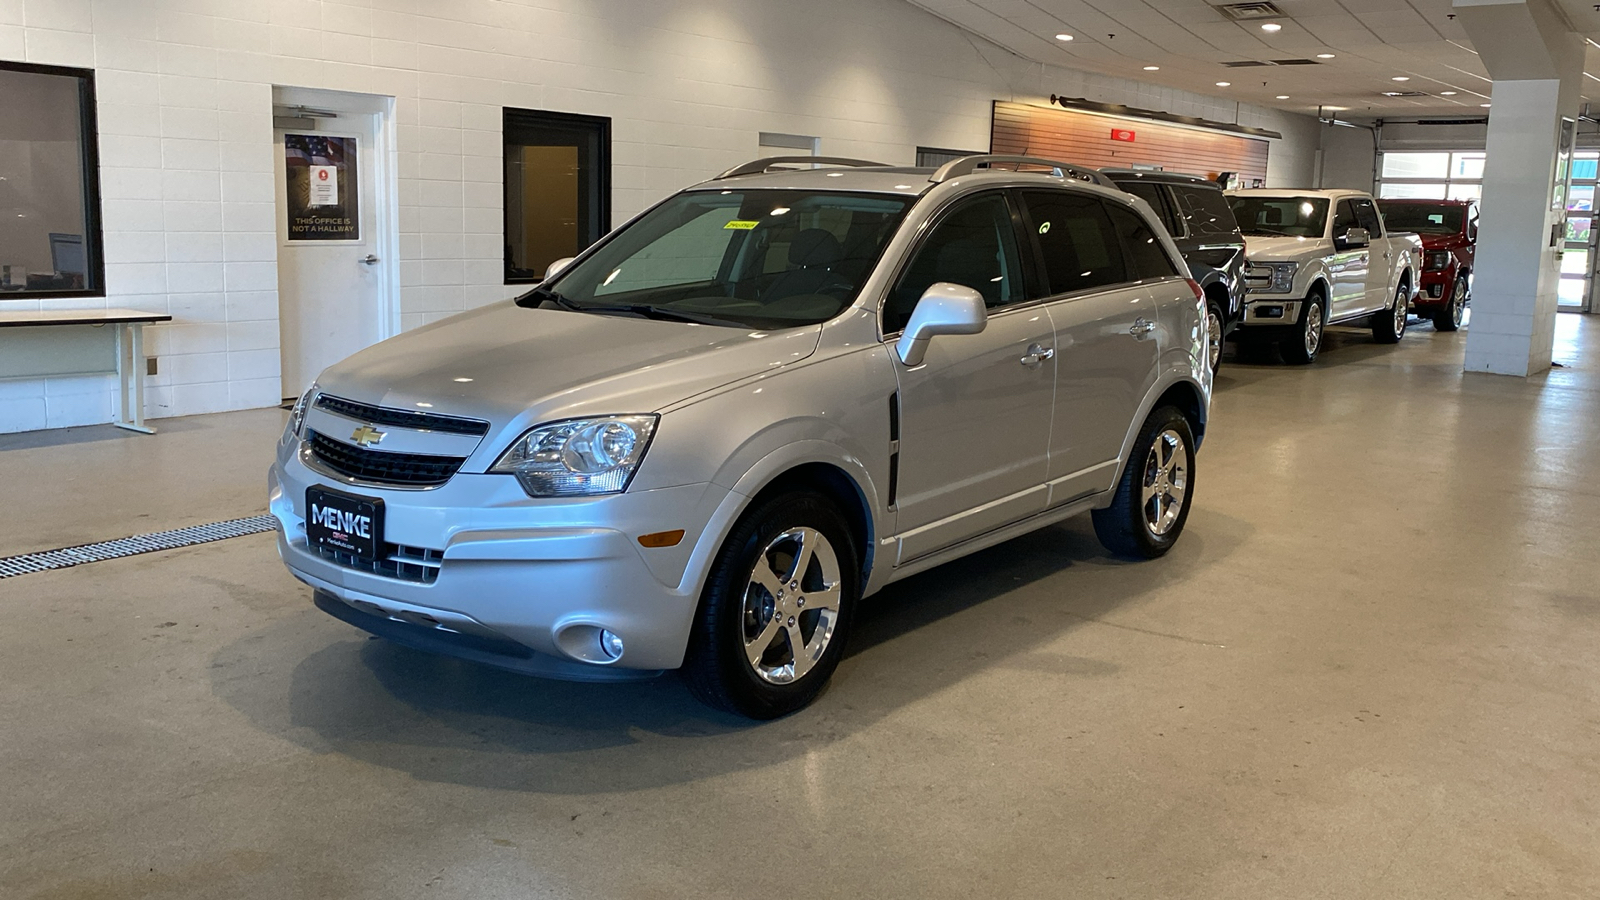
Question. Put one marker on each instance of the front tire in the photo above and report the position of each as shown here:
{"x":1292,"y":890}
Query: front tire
{"x":1449,"y":318}
{"x":1153,"y":498}
{"x":1389,"y":326}
{"x":1303,"y":347}
{"x":776,"y":608}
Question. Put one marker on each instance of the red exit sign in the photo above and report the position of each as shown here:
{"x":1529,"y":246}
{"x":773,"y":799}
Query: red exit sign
{"x":1122,"y":134}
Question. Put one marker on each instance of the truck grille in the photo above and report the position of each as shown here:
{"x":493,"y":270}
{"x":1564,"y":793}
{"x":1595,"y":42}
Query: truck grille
{"x":383,"y":467}
{"x":402,"y":418}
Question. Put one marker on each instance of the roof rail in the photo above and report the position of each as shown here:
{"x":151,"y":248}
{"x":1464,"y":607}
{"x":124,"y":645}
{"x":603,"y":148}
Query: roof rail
{"x":760,"y":166}
{"x":966,"y":165}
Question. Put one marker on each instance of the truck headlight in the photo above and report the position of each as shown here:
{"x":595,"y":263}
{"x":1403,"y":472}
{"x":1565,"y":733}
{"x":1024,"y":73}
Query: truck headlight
{"x":1438,"y":260}
{"x":579,"y":457}
{"x":1271,"y":278}
{"x":297,"y":416}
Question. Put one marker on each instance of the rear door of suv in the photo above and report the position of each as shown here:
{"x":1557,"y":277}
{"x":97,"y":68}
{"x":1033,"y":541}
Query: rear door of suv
{"x":1107,"y":350}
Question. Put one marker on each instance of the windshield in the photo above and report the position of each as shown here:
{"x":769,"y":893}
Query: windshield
{"x":1423,"y":218}
{"x":1281,"y":216}
{"x":756,"y":259}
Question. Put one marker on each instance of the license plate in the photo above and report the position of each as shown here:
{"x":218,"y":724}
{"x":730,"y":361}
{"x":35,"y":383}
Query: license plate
{"x":344,"y":522}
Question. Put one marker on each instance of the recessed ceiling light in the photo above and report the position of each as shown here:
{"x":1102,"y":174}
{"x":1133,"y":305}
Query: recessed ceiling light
{"x":1152,"y":68}
{"x":1272,"y":27}
{"x":1283,"y":96}
{"x":1324,"y":56}
{"x":1401,"y":78}
{"x":1063,"y":37}
{"x":1447,"y":93}
{"x":1224,"y":83}
{"x":1484,"y":105}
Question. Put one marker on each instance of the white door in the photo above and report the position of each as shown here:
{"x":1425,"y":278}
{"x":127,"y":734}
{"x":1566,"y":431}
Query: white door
{"x":331,"y":274}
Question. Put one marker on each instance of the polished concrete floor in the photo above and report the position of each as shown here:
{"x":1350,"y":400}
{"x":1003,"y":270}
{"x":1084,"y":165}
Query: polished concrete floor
{"x":1371,"y":669}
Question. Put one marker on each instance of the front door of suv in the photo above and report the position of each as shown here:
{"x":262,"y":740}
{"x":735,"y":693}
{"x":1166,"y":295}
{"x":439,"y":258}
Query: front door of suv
{"x":1098,"y":262}
{"x":975,"y":415}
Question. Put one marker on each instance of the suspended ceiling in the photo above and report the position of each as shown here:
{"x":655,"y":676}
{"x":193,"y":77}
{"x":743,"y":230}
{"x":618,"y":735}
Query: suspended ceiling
{"x":1373,"y":42}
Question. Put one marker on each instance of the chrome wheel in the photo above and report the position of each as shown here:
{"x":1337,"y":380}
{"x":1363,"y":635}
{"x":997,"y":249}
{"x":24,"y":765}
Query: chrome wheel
{"x":1213,"y":337}
{"x":791,"y":605}
{"x":1402,"y":310}
{"x":1313,"y":329}
{"x":1458,"y":302}
{"x":1166,"y":482}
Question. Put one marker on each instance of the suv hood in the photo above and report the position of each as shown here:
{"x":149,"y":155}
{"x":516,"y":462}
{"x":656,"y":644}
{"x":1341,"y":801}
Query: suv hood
{"x":504,"y":361}
{"x":1269,"y":247}
{"x":1452,"y":241}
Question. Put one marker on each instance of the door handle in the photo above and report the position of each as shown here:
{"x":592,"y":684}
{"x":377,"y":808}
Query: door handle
{"x":370,"y":260}
{"x":1141,"y":327}
{"x":1036,"y":356}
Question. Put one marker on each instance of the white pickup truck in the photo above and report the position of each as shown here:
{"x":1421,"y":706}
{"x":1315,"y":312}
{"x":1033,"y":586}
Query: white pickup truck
{"x":1319,"y":258}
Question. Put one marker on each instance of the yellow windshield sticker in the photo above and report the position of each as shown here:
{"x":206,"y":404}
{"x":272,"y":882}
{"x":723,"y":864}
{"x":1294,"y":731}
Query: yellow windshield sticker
{"x":740,"y":225}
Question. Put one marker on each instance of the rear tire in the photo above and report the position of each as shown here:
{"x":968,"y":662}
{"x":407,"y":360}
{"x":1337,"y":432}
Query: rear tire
{"x":1449,"y":318}
{"x":1389,"y":324}
{"x":1301,"y":349}
{"x":1213,"y":326}
{"x":1153,"y":498}
{"x":776,"y":608}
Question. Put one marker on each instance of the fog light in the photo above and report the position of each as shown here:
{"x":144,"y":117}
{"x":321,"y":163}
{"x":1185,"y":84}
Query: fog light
{"x":1269,"y":312}
{"x":610,"y":644}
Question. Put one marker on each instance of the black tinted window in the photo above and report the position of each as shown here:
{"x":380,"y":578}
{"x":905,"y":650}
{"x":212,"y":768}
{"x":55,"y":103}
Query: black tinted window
{"x":975,"y":246}
{"x":1146,"y":257}
{"x":1344,"y":218}
{"x":1076,"y":240}
{"x":1151,"y":194}
{"x":1367,"y":215}
{"x":1206,"y":210}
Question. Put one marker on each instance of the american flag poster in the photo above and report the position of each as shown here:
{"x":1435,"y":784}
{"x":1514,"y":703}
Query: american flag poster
{"x":323,"y":191}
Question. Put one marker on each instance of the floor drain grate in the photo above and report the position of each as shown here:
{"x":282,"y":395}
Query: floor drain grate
{"x":46,"y":560}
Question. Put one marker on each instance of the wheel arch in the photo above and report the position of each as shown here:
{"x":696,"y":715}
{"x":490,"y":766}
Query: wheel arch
{"x":835,"y":483}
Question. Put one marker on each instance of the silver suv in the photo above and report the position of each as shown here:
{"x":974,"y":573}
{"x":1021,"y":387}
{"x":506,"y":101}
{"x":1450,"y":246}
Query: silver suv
{"x":701,"y":443}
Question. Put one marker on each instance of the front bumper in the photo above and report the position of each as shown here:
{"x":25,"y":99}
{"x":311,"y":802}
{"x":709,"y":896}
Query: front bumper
{"x":1270,"y":310}
{"x":484,"y":572}
{"x":1435,"y":290}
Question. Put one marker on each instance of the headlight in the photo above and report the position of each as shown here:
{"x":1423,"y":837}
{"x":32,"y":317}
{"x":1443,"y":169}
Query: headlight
{"x":1438,"y":260}
{"x":1271,"y":278}
{"x":297,"y":416}
{"x":579,"y":457}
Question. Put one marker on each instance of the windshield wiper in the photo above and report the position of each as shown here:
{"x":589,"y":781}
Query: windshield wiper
{"x":542,"y":294}
{"x":646,"y":311}
{"x":1268,"y":231}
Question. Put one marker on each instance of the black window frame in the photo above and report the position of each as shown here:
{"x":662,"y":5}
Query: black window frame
{"x":1037,"y":250}
{"x":93,"y":225}
{"x":511,"y":117}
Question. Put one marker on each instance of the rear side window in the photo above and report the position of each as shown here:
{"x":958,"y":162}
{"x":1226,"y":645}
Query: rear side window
{"x":1076,"y":240}
{"x":1206,"y":210}
{"x":973,"y":245}
{"x":1147,"y":259}
{"x":1155,"y":196}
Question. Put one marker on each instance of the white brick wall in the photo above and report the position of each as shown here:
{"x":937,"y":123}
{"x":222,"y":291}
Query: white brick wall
{"x":185,"y":91}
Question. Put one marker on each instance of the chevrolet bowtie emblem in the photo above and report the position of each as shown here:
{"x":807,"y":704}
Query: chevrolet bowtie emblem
{"x":366,"y":436}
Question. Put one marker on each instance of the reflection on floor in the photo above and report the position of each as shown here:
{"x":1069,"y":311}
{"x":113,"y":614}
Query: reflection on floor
{"x":1369,"y":670}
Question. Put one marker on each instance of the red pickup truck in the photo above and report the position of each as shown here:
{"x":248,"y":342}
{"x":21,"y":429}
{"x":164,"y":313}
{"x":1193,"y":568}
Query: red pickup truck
{"x":1449,"y":230}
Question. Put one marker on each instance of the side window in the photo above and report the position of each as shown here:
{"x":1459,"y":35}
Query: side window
{"x":1153,"y":195}
{"x":1076,"y":241}
{"x":1344,"y":218}
{"x":1206,"y":210}
{"x":1147,"y":258}
{"x":973,"y":245}
{"x":1367,"y":215}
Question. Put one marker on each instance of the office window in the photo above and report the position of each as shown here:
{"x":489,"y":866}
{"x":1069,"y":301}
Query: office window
{"x":49,"y":184}
{"x":558,"y":188}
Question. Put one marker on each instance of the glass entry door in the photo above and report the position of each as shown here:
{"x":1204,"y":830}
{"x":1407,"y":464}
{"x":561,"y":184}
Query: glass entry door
{"x":1578,"y":259}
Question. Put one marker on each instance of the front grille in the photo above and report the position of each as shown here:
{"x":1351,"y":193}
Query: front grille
{"x":383,"y":467}
{"x":402,"y":418}
{"x":415,"y":564}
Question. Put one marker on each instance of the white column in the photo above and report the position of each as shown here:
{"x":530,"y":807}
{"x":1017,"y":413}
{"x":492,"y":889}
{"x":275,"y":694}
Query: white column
{"x":1537,"y":67}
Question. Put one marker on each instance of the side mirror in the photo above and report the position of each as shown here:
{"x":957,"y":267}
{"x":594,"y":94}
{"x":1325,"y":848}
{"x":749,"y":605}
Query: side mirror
{"x":1354,"y":239}
{"x":944,"y":308}
{"x":555,"y":268}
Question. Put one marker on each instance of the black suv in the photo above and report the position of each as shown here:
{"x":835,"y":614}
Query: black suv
{"x":1202,"y":225}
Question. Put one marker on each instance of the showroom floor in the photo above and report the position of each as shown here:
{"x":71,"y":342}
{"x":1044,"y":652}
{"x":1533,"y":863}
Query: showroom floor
{"x":1368,"y":671}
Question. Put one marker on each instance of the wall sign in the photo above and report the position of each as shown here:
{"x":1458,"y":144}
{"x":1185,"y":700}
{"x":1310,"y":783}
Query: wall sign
{"x":320,"y":177}
{"x":1122,"y":134}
